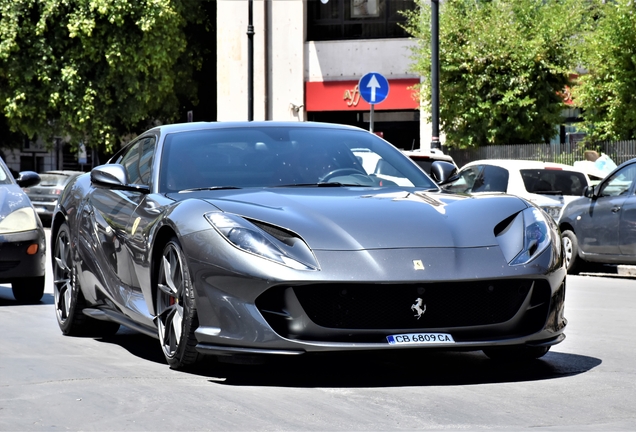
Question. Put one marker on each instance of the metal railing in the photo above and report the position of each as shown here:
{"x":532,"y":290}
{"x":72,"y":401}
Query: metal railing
{"x":567,"y":153}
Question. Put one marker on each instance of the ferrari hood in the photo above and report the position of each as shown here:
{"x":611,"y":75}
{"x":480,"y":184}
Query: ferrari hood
{"x":355,"y":219}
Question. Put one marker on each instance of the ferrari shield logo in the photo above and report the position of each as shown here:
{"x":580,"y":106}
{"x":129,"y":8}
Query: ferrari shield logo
{"x":418,"y":265}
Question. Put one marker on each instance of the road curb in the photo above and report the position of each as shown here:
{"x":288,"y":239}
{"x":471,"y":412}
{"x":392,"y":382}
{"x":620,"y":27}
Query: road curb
{"x":626,"y":270}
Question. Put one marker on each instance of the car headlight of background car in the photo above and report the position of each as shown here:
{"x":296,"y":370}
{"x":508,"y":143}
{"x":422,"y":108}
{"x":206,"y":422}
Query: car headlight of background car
{"x":279,"y":246}
{"x":22,"y":219}
{"x":554,"y":211}
{"x":525,"y":235}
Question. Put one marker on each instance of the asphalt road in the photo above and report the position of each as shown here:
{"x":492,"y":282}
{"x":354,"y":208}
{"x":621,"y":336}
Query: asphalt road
{"x":52,"y":382}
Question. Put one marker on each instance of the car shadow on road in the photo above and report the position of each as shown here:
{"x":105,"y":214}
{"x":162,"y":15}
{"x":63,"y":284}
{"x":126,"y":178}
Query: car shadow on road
{"x":7,"y":299}
{"x":378,"y":369}
{"x":396,"y":370}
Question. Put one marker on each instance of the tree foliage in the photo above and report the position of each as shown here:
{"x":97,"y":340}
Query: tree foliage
{"x":93,"y":70}
{"x":607,"y":91}
{"x":503,"y":65}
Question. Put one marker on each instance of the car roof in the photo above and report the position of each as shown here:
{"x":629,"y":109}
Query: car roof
{"x":431,"y":154}
{"x":181,"y":127}
{"x":63,"y":172}
{"x":522,"y":164}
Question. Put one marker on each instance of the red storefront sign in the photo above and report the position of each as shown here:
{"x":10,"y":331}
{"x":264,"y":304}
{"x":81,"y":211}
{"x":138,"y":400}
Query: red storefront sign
{"x":345,"y":96}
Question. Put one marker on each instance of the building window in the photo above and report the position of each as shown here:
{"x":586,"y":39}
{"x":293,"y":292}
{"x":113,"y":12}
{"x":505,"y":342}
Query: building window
{"x":356,"y":19}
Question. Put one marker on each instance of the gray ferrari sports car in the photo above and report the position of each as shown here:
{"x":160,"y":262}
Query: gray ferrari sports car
{"x":269,"y":238}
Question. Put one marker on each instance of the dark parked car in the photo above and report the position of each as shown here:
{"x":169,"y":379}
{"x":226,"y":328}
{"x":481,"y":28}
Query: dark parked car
{"x":266,"y":238}
{"x":45,"y":194}
{"x":601,"y":226}
{"x":22,"y":241}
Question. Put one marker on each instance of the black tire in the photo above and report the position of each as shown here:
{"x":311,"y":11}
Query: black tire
{"x":573,"y":262}
{"x":516,"y":353}
{"x":69,"y":300}
{"x":177,"y":317}
{"x":28,"y":290}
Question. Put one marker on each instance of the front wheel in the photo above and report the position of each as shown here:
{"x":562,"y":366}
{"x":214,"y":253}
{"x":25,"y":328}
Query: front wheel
{"x":28,"y":290}
{"x":69,"y":300}
{"x":573,"y":262}
{"x":516,"y":353}
{"x":176,"y":309}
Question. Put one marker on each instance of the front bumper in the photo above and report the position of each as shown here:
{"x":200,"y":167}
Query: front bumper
{"x":15,"y":263}
{"x":274,"y":310}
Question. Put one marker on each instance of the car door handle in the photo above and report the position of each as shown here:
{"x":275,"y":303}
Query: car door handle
{"x":616,"y":209}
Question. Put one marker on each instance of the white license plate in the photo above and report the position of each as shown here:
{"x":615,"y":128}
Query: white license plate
{"x":420,"y":339}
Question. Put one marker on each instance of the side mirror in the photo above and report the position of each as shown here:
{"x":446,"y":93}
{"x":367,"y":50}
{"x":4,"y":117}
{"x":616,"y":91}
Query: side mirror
{"x":114,"y":176}
{"x":441,"y":171}
{"x":589,"y":192}
{"x":27,"y":179}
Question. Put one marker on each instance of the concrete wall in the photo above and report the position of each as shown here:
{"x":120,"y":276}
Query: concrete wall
{"x":350,"y":60}
{"x":279,"y":93}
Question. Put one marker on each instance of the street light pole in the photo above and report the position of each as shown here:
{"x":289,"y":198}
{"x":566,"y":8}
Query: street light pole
{"x":435,"y":144}
{"x":250,"y":62}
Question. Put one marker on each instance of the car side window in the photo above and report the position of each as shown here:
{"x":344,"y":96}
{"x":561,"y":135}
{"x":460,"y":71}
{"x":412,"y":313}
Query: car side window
{"x":138,"y":161}
{"x":620,"y":183}
{"x":492,"y":179}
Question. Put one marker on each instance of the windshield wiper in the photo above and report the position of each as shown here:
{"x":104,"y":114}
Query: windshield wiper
{"x":209,"y":188}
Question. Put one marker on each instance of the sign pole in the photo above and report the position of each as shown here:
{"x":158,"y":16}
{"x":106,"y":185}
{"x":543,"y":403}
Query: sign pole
{"x":374,"y":88}
{"x":435,"y":143}
{"x":250,"y":62}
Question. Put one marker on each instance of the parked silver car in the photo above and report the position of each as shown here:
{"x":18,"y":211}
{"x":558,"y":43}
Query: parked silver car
{"x":45,"y":194}
{"x":22,"y":241}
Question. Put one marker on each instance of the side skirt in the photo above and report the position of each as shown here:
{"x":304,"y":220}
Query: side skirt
{"x":109,"y":315}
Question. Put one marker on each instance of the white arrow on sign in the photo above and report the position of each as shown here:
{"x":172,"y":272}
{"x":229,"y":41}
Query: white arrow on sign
{"x":373,"y":84}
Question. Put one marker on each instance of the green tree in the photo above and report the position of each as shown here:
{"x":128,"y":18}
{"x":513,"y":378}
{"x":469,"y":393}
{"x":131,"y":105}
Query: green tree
{"x":94,"y":70}
{"x":503,"y":65}
{"x":606,"y":92}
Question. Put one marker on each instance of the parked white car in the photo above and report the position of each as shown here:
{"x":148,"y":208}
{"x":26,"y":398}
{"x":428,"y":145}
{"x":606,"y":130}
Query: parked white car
{"x":548,"y":185}
{"x":375,"y":165}
{"x":425,"y":158}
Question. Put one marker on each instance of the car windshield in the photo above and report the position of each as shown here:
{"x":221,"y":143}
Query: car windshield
{"x":271,"y":156}
{"x":554,"y":181}
{"x":5,"y":175}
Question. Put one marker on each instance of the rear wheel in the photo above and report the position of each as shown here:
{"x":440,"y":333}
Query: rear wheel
{"x":516,"y":352}
{"x":28,"y":290}
{"x":176,"y":309}
{"x":69,"y":300}
{"x":573,"y":263}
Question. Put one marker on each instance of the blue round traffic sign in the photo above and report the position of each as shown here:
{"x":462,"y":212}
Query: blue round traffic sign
{"x":374,"y":88}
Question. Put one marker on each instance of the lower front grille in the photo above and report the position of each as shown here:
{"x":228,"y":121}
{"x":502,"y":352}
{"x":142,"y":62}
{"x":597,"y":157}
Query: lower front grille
{"x":405,"y":306}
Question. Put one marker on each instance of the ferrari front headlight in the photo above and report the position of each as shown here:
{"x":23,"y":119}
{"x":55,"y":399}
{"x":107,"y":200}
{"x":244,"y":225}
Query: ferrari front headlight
{"x":22,"y":219}
{"x":525,"y":236}
{"x":241,"y":233}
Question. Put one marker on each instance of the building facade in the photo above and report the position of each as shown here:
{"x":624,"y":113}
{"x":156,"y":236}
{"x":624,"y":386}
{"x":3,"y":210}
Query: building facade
{"x":308,"y":56}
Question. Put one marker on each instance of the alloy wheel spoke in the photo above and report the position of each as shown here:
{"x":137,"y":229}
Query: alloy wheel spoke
{"x":68,"y":293}
{"x":62,"y":258}
{"x":168,"y":273}
{"x":177,"y":321}
{"x":166,"y":318}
